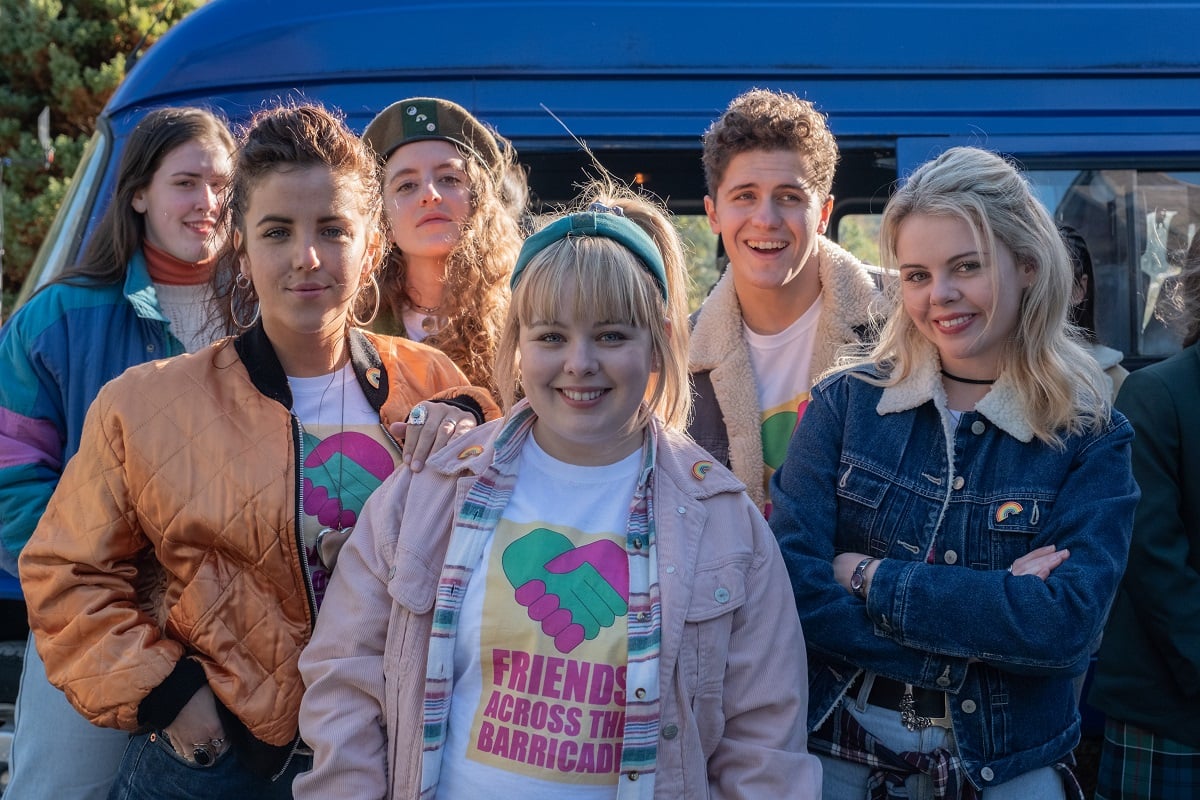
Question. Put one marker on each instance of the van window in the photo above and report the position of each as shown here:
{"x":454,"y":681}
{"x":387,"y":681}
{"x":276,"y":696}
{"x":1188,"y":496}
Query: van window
{"x":1141,"y":228}
{"x":859,"y":233}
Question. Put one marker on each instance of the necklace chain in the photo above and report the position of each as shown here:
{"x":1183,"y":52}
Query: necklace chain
{"x":340,"y":373}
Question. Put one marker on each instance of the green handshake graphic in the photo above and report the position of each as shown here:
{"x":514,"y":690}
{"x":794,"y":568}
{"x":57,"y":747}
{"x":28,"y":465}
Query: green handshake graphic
{"x":572,"y":591}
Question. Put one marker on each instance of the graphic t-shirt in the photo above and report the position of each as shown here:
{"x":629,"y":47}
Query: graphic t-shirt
{"x":346,"y":454}
{"x":538,"y":707}
{"x":781,"y":362}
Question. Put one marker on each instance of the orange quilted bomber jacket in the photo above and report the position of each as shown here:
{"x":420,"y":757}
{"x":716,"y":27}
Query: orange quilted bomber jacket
{"x":173,"y":533}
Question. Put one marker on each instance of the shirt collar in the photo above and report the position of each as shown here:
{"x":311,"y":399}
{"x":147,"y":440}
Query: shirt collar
{"x":1002,"y":405}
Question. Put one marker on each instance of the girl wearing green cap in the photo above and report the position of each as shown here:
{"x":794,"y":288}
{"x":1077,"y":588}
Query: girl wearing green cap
{"x":454,"y":237}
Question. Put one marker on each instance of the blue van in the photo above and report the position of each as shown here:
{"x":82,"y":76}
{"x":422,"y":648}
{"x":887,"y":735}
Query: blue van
{"x":1099,"y":100}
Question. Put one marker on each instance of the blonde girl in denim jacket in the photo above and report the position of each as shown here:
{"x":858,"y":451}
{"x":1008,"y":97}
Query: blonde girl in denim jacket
{"x":955,"y":509}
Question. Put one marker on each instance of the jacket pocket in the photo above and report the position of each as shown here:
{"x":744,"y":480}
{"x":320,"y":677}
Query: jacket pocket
{"x":861,"y":494}
{"x":718,"y":591}
{"x":1013,"y":526}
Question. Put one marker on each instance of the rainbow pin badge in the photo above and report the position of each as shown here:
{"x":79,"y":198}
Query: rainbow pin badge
{"x":373,"y":377}
{"x":470,"y":452}
{"x":700,"y":469}
{"x":1006,"y":510}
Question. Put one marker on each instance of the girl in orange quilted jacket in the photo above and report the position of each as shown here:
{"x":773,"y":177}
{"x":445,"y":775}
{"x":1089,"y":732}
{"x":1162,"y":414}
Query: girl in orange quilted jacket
{"x":179,"y":567}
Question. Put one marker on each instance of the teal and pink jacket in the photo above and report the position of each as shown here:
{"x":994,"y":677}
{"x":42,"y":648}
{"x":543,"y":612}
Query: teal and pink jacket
{"x":56,"y":352}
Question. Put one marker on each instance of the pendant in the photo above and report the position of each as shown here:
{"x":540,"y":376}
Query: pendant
{"x":433,"y":324}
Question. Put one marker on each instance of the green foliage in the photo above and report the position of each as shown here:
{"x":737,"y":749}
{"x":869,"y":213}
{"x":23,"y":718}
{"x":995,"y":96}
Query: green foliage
{"x":70,"y":56}
{"x":859,"y":233}
{"x":700,"y":247}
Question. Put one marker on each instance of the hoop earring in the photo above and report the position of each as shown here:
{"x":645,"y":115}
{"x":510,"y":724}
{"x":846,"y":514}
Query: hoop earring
{"x":243,"y":282}
{"x":362,"y":323}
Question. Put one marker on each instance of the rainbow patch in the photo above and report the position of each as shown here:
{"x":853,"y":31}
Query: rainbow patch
{"x":470,"y":452}
{"x":700,"y":469}
{"x":1006,"y":510}
{"x":373,"y":377}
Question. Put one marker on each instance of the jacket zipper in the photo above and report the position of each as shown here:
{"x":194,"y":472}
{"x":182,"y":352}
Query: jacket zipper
{"x":298,"y":439}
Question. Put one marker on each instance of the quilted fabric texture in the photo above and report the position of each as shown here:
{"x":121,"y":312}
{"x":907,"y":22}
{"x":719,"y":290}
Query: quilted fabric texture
{"x":187,"y":463}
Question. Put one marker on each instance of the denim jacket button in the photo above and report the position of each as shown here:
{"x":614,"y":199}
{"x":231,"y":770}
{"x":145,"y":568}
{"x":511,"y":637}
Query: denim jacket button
{"x":959,"y":482}
{"x":951,"y":557}
{"x":722,"y":595}
{"x":968,"y":706}
{"x":943,"y":681}
{"x":986,"y":773}
{"x":391,"y":573}
{"x":670,"y":731}
{"x":977,"y":427}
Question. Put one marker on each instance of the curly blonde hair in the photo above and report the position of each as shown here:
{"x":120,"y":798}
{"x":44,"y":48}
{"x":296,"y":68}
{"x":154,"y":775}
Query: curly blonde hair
{"x":475,"y":297}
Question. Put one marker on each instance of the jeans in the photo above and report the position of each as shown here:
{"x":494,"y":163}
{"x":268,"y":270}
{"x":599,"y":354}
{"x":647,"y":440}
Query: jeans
{"x":152,"y":770}
{"x":846,"y":780}
{"x":56,"y":753}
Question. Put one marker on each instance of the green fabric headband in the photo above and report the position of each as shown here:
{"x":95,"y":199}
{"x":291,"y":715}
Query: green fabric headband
{"x":599,"y":220}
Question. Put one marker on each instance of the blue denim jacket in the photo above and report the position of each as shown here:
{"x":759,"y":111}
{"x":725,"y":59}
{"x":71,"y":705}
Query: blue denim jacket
{"x":949,"y":506}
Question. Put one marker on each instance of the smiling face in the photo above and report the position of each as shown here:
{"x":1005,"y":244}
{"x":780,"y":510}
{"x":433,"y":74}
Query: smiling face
{"x":307,"y":244}
{"x":769,"y":216}
{"x":183,"y":200}
{"x":427,"y":199}
{"x":585,"y":378}
{"x":965,"y":302}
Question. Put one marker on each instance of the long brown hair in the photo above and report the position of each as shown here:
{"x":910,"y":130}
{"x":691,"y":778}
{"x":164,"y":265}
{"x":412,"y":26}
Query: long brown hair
{"x":121,"y":230}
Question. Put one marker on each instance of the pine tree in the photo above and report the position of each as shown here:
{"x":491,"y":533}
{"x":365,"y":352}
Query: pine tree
{"x":69,"y":56}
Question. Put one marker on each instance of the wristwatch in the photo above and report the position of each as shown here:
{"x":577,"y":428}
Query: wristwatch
{"x":858,"y":579}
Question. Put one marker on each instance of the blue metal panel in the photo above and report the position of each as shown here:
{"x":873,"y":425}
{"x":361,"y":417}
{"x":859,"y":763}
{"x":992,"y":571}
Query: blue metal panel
{"x":622,"y":71}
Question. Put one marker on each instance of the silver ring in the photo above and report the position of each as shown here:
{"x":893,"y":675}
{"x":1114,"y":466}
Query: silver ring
{"x":418,"y":415}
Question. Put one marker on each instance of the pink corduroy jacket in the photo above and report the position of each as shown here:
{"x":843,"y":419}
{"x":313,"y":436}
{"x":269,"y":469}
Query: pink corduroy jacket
{"x":732,"y":662}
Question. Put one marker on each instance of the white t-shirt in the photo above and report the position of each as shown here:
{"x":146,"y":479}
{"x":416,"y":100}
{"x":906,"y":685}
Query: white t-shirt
{"x":538,"y":716}
{"x":346,"y":455}
{"x":781,"y":363}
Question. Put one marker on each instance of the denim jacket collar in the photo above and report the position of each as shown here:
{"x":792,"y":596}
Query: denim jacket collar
{"x":1001,"y":405}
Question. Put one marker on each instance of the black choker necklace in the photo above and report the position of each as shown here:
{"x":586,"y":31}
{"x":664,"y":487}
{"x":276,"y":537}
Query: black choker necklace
{"x":971,"y":381}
